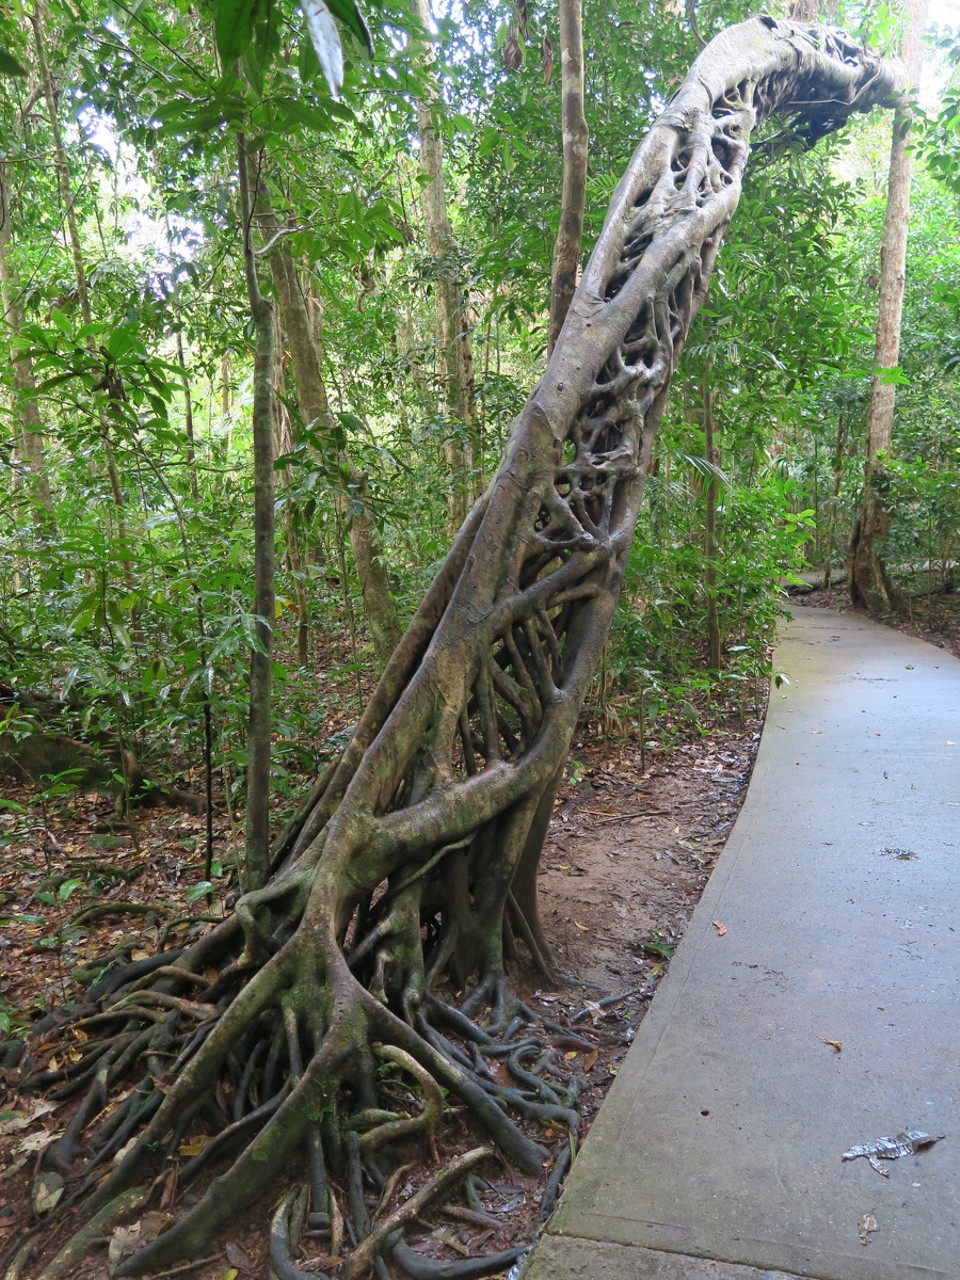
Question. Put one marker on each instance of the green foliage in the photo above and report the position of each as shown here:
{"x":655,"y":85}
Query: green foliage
{"x":137,"y":612}
{"x":9,"y":66}
{"x":659,"y":639}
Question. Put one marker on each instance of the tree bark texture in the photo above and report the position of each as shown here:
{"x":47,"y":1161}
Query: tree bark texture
{"x":869,"y":582}
{"x":566,"y":250}
{"x":454,"y":346}
{"x":257,"y":838}
{"x":416,"y":856}
{"x":379,"y":607}
{"x":24,"y":383}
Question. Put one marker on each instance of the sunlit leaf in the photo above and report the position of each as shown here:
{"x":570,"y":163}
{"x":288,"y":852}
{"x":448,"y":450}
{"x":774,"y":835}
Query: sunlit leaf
{"x":326,"y":43}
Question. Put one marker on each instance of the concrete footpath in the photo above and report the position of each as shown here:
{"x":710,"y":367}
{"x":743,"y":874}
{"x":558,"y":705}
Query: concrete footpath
{"x":717,"y":1153}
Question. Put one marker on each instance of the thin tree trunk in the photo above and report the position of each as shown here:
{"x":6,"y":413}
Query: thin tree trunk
{"x":710,"y":529}
{"x":462,"y":449}
{"x":25,"y":387}
{"x":257,"y":859}
{"x":350,"y":492}
{"x":285,"y":445}
{"x":188,"y":421}
{"x":834,"y":500}
{"x":869,"y":582}
{"x":83,"y":292}
{"x":566,"y":250}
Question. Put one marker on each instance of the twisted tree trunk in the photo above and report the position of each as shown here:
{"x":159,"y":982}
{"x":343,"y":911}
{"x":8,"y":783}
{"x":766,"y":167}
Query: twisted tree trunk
{"x":416,"y":857}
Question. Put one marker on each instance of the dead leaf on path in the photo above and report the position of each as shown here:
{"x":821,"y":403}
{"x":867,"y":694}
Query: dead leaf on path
{"x":590,"y":1059}
{"x":238,"y":1257}
{"x":867,"y":1225}
{"x":720,"y":928}
{"x":582,"y":927}
{"x":835,"y":1045}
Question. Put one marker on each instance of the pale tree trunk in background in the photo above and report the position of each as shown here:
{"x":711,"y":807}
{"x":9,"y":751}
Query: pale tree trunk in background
{"x":710,"y":527}
{"x":379,"y":607}
{"x":25,"y":387}
{"x":83,"y":293}
{"x":188,"y":420}
{"x":868,"y":580}
{"x":285,"y":444}
{"x":566,"y":251}
{"x":454,"y":349}
{"x":831,"y":539}
{"x":257,"y":843}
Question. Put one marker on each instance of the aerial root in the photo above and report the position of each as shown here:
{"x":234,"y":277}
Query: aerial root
{"x":555,"y":1181}
{"x":426,"y":1121}
{"x":418,"y":1267}
{"x":361,"y":1260}
{"x":285,"y":1229}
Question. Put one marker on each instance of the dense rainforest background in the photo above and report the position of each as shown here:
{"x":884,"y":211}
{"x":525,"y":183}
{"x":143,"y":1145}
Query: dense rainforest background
{"x":272,"y":281}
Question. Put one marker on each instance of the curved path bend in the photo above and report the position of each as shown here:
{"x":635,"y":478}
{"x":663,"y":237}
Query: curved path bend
{"x":717,"y":1154}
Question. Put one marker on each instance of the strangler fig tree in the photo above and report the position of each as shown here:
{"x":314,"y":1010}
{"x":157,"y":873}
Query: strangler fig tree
{"x":411,"y":872}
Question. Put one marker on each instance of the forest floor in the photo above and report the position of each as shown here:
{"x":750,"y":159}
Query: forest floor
{"x":628,"y":853}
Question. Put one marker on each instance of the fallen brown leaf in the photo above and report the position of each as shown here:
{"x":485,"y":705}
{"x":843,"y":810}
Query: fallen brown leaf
{"x":866,"y":1226}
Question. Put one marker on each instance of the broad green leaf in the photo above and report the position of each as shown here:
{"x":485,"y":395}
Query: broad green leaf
{"x":121,"y":340}
{"x":9,"y":66}
{"x":349,"y":14}
{"x":233,"y":27}
{"x":326,"y":43}
{"x":62,"y":322}
{"x":303,"y":113}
